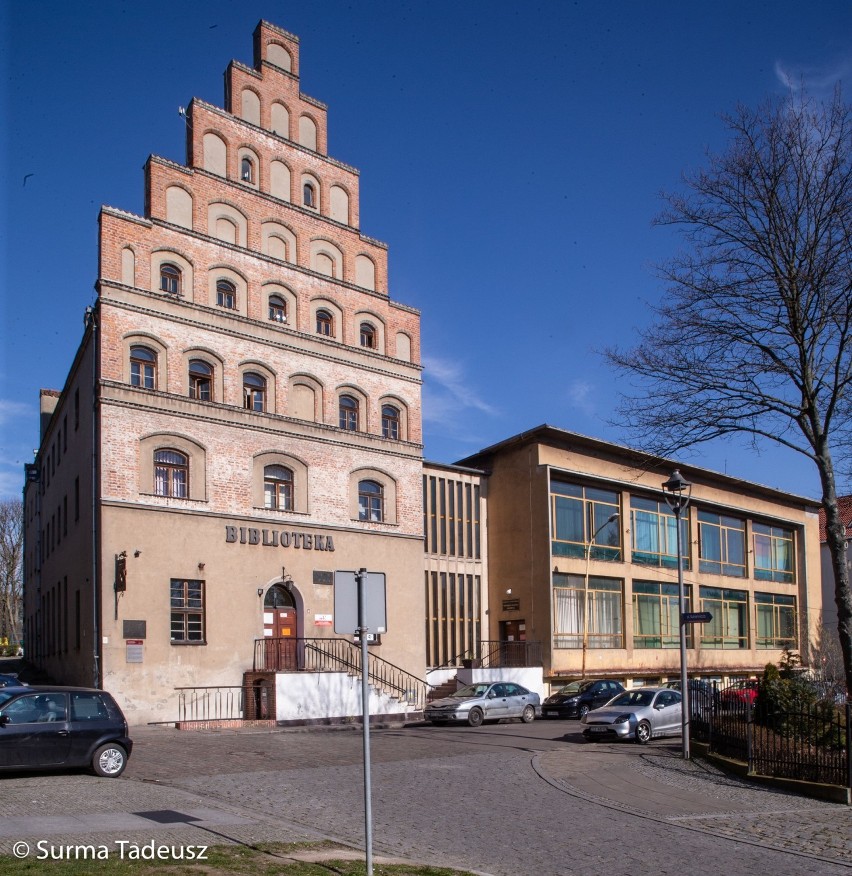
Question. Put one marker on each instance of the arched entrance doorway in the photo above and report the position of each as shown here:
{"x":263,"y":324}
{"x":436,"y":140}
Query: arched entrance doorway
{"x":280,"y":628}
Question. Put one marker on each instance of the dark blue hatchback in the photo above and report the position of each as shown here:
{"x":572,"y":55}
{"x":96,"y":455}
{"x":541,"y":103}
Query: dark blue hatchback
{"x":46,"y":728}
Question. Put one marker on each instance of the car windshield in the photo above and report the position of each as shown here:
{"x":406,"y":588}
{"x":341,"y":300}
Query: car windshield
{"x":574,"y":687}
{"x":634,"y":698}
{"x":472,"y":690}
{"x":6,"y":695}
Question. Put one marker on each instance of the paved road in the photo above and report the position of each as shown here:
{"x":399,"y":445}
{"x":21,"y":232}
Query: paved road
{"x":502,"y":799}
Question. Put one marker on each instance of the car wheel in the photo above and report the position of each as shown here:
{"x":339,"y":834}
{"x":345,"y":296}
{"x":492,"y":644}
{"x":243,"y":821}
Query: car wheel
{"x":109,"y":761}
{"x":475,"y":718}
{"x":583,"y":711}
{"x":643,"y":732}
{"x":528,"y":714}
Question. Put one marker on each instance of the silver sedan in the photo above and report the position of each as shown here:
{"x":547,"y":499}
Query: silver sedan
{"x":641,"y":714}
{"x":486,"y":701}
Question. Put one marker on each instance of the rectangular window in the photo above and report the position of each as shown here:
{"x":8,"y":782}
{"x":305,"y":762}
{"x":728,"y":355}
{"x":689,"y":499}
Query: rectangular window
{"x":721,"y":545}
{"x":584,"y":519}
{"x":774,"y":556}
{"x":656,"y":615}
{"x":187,"y":612}
{"x":654,"y":529}
{"x":729,"y":626}
{"x":775,"y":620}
{"x":587,"y":617}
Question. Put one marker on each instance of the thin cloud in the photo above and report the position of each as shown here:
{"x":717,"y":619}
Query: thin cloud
{"x":817,"y":81}
{"x":447,"y":396}
{"x":580,"y":396}
{"x":10,"y":410}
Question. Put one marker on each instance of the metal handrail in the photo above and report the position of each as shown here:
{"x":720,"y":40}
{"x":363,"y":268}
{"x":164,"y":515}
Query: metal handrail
{"x":327,"y":654}
{"x":498,"y":654}
{"x":211,"y":703}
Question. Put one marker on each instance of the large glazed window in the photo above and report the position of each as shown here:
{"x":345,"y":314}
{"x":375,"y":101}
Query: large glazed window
{"x":587,"y":616}
{"x":654,"y":529}
{"x":171,"y":474}
{"x":775,"y":620}
{"x":278,"y":488}
{"x":729,"y":625}
{"x":774,"y":554}
{"x":143,"y":367}
{"x":187,"y":612}
{"x":200,"y":380}
{"x":721,"y":544}
{"x":656,"y":614}
{"x":582,"y":520}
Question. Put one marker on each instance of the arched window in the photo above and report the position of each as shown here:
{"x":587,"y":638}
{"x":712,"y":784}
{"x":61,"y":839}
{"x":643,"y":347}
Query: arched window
{"x":254,"y":391}
{"x":325,"y":323}
{"x":247,"y":170}
{"x":171,"y":474}
{"x":390,"y":422}
{"x":226,"y":294}
{"x":170,"y":279}
{"x":278,"y":488}
{"x":200,"y":380}
{"x":143,"y":367}
{"x":371,"y":501}
{"x":277,"y":308}
{"x":348,"y":408}
{"x":278,"y":597}
{"x":310,"y":195}
{"x":368,"y":335}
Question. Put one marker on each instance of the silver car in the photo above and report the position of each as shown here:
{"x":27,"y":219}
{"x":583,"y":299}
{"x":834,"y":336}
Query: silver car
{"x":486,"y":701}
{"x":641,"y":714}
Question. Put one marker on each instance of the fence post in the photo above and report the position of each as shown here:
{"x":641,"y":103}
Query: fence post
{"x":749,"y":715}
{"x":848,"y":744}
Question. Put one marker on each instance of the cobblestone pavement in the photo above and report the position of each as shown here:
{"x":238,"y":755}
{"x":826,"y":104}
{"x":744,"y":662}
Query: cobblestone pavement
{"x":502,"y":799}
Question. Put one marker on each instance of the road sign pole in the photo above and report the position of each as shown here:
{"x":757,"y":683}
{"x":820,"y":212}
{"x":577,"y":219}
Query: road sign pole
{"x":360,"y":577}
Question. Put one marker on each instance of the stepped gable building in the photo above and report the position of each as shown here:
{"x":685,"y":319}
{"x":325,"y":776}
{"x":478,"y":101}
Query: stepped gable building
{"x":242,"y":418}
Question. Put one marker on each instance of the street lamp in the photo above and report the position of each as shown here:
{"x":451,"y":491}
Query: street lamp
{"x":611,"y":519}
{"x":677,"y":496}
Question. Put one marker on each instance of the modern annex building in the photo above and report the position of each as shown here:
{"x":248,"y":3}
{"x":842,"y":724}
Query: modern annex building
{"x":242,"y":417}
{"x":582,"y":560}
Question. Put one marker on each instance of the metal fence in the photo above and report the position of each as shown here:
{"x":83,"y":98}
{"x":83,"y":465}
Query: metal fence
{"x":809,"y":742}
{"x":211,"y":703}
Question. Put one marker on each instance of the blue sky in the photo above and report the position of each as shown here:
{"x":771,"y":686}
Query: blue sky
{"x":511,"y":154}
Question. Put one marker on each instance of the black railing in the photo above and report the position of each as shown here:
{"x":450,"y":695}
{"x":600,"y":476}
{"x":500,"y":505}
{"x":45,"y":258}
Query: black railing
{"x":497,"y":655}
{"x":811,"y":742}
{"x":338,"y":655}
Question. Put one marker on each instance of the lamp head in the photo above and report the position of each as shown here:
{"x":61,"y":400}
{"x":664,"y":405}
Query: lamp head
{"x":677,"y":491}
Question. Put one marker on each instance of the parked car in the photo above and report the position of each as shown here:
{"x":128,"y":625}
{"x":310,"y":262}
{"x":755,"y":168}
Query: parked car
{"x":578,"y":697}
{"x":739,"y":693}
{"x":641,"y":714}
{"x":45,"y":727}
{"x":703,"y":696}
{"x":486,"y":701}
{"x":10,"y":680}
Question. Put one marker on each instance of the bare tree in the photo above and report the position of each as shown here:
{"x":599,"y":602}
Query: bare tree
{"x":11,"y":569}
{"x":755,"y":335}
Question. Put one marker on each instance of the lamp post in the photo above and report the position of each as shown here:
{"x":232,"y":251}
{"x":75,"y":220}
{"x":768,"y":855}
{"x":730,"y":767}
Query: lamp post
{"x":612,"y":518}
{"x":677,"y":497}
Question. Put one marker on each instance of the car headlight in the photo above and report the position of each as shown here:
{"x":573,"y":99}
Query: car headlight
{"x":573,"y":701}
{"x":621,"y":719}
